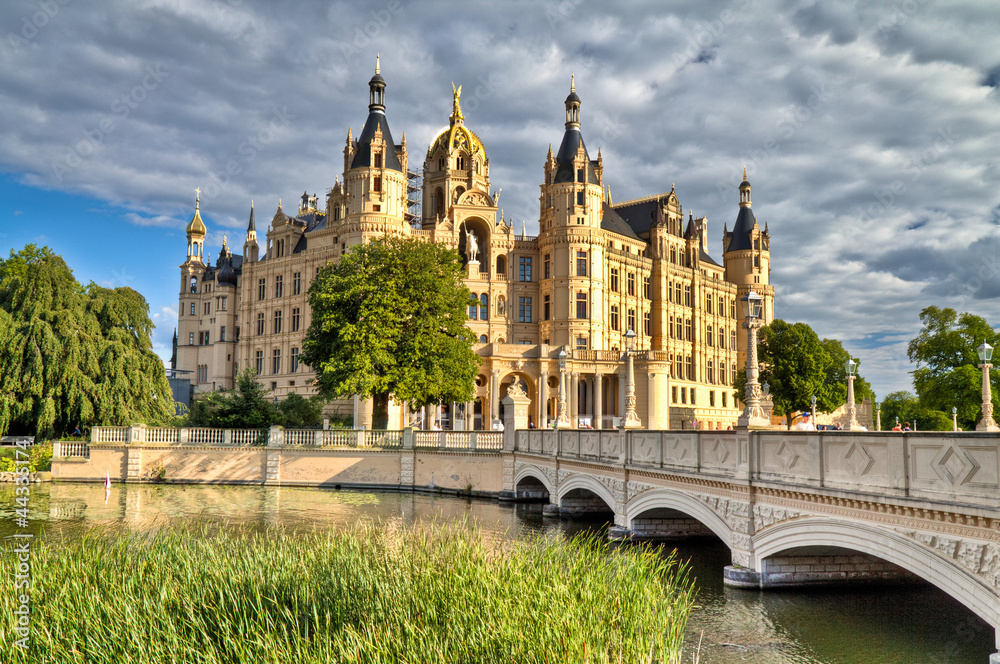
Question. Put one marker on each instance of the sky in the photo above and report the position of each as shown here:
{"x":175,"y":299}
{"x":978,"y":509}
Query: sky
{"x":870,"y":130}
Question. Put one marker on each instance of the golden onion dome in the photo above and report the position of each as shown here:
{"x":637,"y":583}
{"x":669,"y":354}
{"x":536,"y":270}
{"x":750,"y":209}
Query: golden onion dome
{"x":196,"y":226}
{"x":456,"y":135}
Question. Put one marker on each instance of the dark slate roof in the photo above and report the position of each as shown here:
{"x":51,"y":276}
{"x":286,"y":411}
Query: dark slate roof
{"x":741,"y":231}
{"x":301,"y":245}
{"x":252,"y":226}
{"x":611,"y":221}
{"x":565,"y":171}
{"x":692,"y":229}
{"x":705,"y":258}
{"x":639,"y":215}
{"x":226,"y":274}
{"x":363,"y":157}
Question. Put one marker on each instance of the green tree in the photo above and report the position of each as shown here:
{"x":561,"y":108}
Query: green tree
{"x":73,"y":356}
{"x":907,"y":407}
{"x":389,"y":319}
{"x":797,"y":365}
{"x":947,"y":373}
{"x":297,"y":411}
{"x":247,"y":406}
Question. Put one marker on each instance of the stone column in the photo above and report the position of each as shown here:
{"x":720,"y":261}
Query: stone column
{"x":470,"y":415}
{"x":516,"y":405}
{"x":494,"y":398}
{"x":598,"y":400}
{"x":574,"y":395}
{"x":543,"y":395}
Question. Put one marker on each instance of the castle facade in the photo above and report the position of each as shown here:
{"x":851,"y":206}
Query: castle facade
{"x":596,"y":270}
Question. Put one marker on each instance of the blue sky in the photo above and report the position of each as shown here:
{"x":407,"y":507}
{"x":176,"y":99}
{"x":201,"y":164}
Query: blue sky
{"x":869,"y":130}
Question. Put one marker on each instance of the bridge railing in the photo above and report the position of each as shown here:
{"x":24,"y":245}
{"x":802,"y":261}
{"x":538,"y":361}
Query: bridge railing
{"x":962,"y":467}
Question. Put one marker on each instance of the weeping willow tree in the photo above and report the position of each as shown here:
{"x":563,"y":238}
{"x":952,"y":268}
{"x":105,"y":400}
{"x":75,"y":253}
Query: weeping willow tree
{"x":71,"y":355}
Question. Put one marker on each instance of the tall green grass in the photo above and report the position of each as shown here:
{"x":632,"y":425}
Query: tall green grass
{"x":369,"y":593}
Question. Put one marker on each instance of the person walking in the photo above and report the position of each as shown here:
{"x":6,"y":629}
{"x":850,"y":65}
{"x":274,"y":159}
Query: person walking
{"x":805,"y":424}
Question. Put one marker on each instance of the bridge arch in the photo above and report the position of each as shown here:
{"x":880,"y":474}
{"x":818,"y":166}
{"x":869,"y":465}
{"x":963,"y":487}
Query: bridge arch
{"x":676,"y":500}
{"x":945,"y":574}
{"x":531,"y":471}
{"x":586,"y":483}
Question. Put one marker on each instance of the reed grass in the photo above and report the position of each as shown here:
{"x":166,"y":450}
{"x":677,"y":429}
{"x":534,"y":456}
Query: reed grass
{"x":370,"y":593}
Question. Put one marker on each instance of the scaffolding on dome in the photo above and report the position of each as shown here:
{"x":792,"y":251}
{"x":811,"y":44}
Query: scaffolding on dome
{"x":414,"y":185}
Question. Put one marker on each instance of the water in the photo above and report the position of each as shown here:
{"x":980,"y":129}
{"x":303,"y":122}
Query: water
{"x":879,"y":625}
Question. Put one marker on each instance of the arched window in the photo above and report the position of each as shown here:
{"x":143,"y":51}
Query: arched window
{"x":483,"y":339}
{"x":474,"y":307}
{"x":501,"y":266}
{"x":194,"y":285}
{"x":438,"y":205}
{"x":484,"y":306}
{"x":458,"y":193}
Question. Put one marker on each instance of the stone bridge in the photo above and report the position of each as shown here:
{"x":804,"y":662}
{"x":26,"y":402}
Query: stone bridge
{"x":794,"y":508}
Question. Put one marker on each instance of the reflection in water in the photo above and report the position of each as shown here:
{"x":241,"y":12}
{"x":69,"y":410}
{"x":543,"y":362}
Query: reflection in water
{"x":827,"y":626}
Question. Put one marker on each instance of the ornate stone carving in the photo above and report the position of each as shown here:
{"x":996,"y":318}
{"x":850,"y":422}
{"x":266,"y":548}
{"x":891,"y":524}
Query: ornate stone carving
{"x":766,"y":515}
{"x":980,"y":558}
{"x":475,"y":197}
{"x":635,"y":488}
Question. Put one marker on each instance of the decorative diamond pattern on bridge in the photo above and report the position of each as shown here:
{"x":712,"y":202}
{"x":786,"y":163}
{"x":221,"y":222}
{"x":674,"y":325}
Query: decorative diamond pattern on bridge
{"x":720,"y":452}
{"x":786,"y":455}
{"x":955,"y":467}
{"x":857,"y":460}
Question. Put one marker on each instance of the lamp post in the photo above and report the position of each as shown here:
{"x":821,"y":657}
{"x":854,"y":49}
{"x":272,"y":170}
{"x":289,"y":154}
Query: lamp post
{"x":753,"y":414}
{"x":631,"y":418}
{"x":852,"y":423}
{"x":562,"y":419}
{"x":954,"y":418}
{"x":987,"y":423}
{"x":812,"y":400}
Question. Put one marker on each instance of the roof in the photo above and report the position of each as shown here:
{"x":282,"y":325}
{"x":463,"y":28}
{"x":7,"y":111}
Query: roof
{"x":741,"y":231}
{"x":639,"y":216}
{"x":363,"y":157}
{"x":301,"y":245}
{"x":196,"y":226}
{"x":705,"y":258}
{"x":565,"y":170}
{"x":611,"y":221}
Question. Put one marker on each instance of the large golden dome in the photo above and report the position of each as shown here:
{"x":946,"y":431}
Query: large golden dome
{"x":457,"y":135}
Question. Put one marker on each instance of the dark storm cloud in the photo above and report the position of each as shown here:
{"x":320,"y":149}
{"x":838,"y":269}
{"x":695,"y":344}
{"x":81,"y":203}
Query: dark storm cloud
{"x":868,"y":128}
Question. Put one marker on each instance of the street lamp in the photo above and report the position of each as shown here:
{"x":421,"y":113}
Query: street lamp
{"x":631,"y":418}
{"x":852,"y":423}
{"x":878,"y":417}
{"x":987,"y":423}
{"x":275,"y":399}
{"x":562,"y":419}
{"x":954,"y":418}
{"x":753,"y":414}
{"x":812,"y":400}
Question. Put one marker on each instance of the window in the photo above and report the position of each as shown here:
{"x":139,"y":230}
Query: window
{"x":708,"y":304}
{"x":377,"y":184}
{"x":276,"y":361}
{"x":581,"y":305}
{"x":689,"y":372}
{"x":684,"y":395}
{"x":687,"y":329}
{"x":711,"y":397}
{"x":524,"y":309}
{"x":722,"y":338}
{"x":222,"y":333}
{"x":579,"y":198}
{"x":631,"y":320}
{"x":645,"y":323}
{"x":297,"y":283}
{"x":581,"y":343}
{"x":680,"y":328}
{"x":296,"y":319}
{"x":687,"y":295}
{"x":191,"y":339}
{"x":295,"y":360}
{"x":261,"y":289}
{"x":579,"y":175}
{"x":645,"y":287}
{"x":732,"y":308}
{"x":378,"y":161}
{"x":614,"y":280}
{"x":194,"y":285}
{"x":501,"y":266}
{"x":673,"y":255}
{"x":279,"y":286}
{"x":277,"y":321}
{"x":631,"y":283}
{"x":192,"y":309}
{"x":670,"y":327}
{"x":483,"y":339}
{"x":581,"y":263}
{"x":673,"y":394}
{"x":206,"y":308}
{"x":614,"y":318}
{"x":524,"y":268}
{"x":474,"y":307}
{"x":546,"y":308}
{"x":709,"y":335}
{"x":756,"y":261}
{"x":678,"y":367}
{"x":202,"y":373}
{"x":259,"y":362}
{"x":260,"y":324}
{"x":224,"y":298}
{"x":732,"y":339}
{"x":722,"y":306}
{"x":677,"y":292}
{"x":724,"y":399}
{"x":710,"y":371}
{"x":548,"y":272}
{"x":694,"y":399}
{"x":484,"y":306}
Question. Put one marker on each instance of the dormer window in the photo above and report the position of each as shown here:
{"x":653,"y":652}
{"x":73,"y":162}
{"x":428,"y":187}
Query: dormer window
{"x":378,"y":160}
{"x":579,"y":175}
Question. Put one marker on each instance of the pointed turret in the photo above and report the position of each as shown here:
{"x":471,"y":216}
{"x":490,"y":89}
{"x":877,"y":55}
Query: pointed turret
{"x":250,"y":248}
{"x":572,"y":146}
{"x":196,"y":232}
{"x":374,"y":147}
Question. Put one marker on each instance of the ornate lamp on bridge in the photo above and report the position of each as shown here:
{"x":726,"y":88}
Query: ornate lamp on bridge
{"x":753,"y":414}
{"x":813,"y":402}
{"x":954,"y":418}
{"x":987,"y":423}
{"x":852,"y":423}
{"x":632,"y":420}
{"x":562,"y":418}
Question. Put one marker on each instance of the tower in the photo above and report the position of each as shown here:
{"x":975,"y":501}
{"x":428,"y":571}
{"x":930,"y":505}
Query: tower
{"x":747,"y":259}
{"x":250,"y":248}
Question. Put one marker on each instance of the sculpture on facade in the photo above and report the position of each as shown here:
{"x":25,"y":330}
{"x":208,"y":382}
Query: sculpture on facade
{"x":472,"y":247}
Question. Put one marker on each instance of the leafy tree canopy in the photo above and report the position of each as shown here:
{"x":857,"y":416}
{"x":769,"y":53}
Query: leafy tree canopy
{"x":908,"y":409}
{"x":797,"y":365}
{"x":389,"y":319}
{"x":947,"y":373}
{"x":71,"y":355}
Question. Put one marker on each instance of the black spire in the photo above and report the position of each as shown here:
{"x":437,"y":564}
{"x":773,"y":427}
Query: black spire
{"x":376,"y":87}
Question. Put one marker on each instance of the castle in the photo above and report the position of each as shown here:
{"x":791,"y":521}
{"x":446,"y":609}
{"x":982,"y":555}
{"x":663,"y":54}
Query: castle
{"x":596,"y":270}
